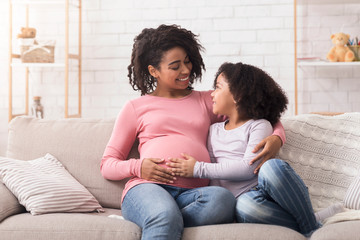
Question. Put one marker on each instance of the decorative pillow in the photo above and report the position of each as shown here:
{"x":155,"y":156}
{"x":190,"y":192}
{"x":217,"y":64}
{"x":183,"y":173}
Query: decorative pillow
{"x":43,"y":185}
{"x":325,"y":152}
{"x":352,"y":196}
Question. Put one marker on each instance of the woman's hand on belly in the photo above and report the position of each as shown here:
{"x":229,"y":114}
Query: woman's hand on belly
{"x":150,"y":170}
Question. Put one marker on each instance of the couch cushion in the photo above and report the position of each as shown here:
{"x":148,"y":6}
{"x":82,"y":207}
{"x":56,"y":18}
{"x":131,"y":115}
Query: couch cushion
{"x":9,"y":205}
{"x":338,"y":231}
{"x":99,"y":226}
{"x":43,"y":186}
{"x":241,"y":231}
{"x":77,"y":143}
{"x":325,"y":152}
{"x":59,"y":226}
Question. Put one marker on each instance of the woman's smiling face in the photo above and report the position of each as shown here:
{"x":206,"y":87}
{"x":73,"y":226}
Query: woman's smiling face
{"x":174,"y":71}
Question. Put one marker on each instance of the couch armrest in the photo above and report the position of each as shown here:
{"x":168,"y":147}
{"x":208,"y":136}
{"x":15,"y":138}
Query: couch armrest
{"x":9,"y":204}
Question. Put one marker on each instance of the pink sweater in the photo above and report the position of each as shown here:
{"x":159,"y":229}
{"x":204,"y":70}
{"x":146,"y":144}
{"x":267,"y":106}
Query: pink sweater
{"x":165,"y":128}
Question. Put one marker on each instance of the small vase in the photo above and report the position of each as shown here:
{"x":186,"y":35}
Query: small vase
{"x":37,"y":110}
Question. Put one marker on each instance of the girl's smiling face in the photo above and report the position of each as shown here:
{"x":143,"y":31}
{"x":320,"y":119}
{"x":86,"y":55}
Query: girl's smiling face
{"x":223,"y":101}
{"x":173,"y":74}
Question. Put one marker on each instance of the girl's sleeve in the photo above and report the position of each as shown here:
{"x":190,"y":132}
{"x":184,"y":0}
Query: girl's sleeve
{"x":236,"y":169}
{"x":114,"y":165}
{"x":279,"y":131}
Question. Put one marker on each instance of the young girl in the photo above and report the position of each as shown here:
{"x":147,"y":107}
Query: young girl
{"x":168,"y":119}
{"x":253,"y":102}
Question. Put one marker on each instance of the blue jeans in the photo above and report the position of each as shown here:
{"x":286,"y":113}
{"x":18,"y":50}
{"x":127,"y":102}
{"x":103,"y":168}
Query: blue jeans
{"x":163,"y":211}
{"x":281,"y":198}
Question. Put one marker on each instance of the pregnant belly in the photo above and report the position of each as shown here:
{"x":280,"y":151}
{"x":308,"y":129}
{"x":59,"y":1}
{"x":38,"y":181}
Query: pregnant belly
{"x":172,"y":147}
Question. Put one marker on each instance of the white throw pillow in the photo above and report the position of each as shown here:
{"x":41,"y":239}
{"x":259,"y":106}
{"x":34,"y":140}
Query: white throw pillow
{"x":352,"y":196}
{"x":43,"y":185}
{"x":325,"y":152}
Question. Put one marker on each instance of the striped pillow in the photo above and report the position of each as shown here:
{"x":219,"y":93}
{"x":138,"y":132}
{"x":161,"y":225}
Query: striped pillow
{"x":352,"y":196}
{"x":43,"y":185}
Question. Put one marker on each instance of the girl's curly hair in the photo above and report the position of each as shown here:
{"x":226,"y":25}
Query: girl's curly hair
{"x":257,"y":95}
{"x":149,"y":47}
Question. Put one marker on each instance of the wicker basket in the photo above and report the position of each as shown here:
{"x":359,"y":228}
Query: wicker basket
{"x":356,"y":50}
{"x":33,"y":51}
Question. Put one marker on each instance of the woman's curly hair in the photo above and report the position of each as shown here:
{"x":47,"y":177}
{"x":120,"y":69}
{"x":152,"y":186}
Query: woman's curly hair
{"x":257,"y":95}
{"x":149,"y":47}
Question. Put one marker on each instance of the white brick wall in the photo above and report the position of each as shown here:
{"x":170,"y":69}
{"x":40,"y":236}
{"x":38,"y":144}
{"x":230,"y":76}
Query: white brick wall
{"x":258,"y":32}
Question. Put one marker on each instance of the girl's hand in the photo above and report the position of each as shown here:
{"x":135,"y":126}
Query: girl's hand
{"x":150,"y":170}
{"x":271,"y":146}
{"x":182,"y":167}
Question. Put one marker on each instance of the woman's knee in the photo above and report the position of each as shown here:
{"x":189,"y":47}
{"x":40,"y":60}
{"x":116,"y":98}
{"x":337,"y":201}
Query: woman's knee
{"x":167,"y":221}
{"x":222,"y":200}
{"x":151,"y":207}
{"x":223,"y":195}
{"x":214,"y":205}
{"x":165,"y":216}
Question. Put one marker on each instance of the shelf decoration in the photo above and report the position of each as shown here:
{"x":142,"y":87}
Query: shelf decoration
{"x":47,"y":50}
{"x":27,"y":32}
{"x":340,"y":52}
{"x":37,"y":110}
{"x":354,"y":45}
{"x":32,"y":50}
{"x":36,"y":51}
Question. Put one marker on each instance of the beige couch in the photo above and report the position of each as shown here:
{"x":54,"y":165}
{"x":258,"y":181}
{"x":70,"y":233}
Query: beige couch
{"x":79,"y":145}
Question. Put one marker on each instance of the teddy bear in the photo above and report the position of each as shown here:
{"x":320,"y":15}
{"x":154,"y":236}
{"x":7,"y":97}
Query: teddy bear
{"x":340,"y":52}
{"x":27,"y":32}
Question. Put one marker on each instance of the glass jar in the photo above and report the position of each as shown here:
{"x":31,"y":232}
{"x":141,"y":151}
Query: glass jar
{"x":37,"y":110}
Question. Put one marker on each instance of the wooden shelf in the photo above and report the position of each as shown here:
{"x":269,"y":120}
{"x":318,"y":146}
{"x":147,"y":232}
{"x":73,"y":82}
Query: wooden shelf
{"x":314,"y":63}
{"x":42,"y":2}
{"x":41,"y":65}
{"x":326,"y":63}
{"x":33,"y":2}
{"x":14,"y":58}
{"x":319,"y":2}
